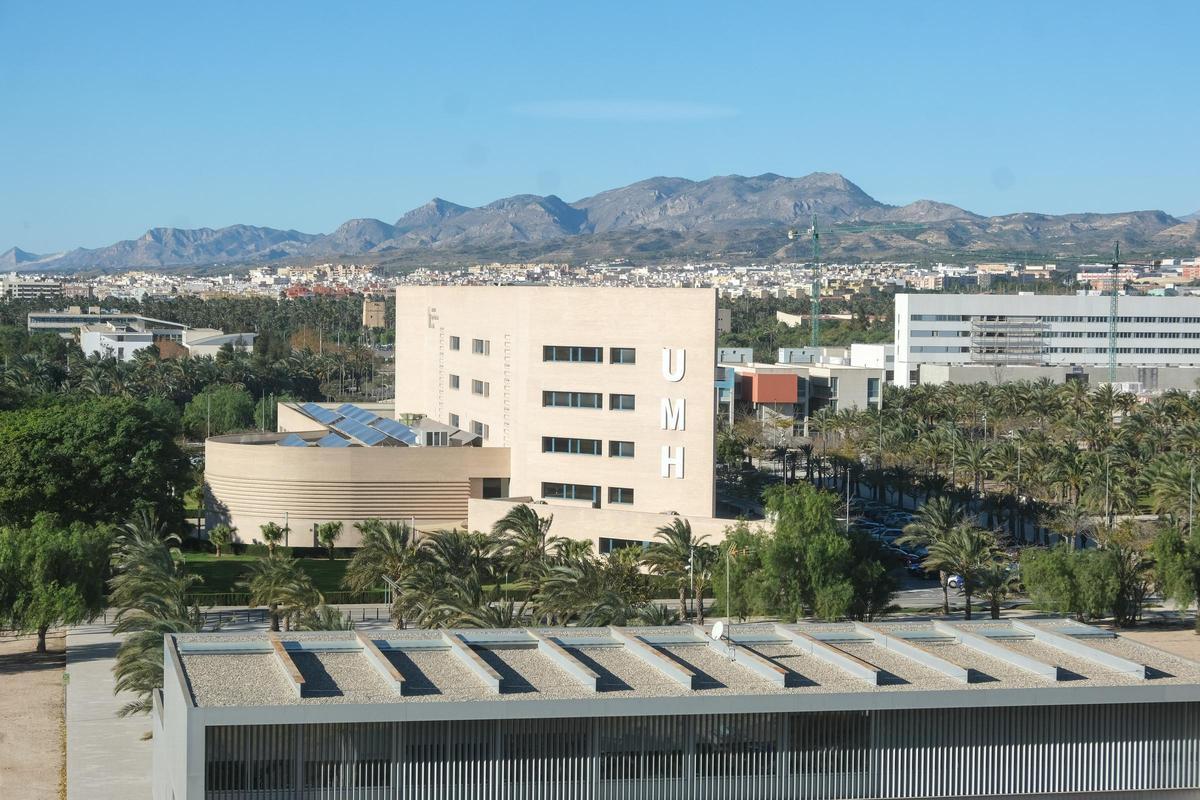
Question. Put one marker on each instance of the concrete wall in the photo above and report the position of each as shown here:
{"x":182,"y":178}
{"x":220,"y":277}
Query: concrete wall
{"x":517,"y":322}
{"x":248,"y":484}
{"x":583,"y":522}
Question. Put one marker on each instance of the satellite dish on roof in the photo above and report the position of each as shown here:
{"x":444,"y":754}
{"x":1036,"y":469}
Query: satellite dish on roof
{"x":718,"y":631}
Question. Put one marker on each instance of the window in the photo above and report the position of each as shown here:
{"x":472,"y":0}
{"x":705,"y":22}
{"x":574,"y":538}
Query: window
{"x":620,"y":449}
{"x":621,"y":402}
{"x":481,"y":388}
{"x":572,"y":400}
{"x":437,"y":439}
{"x":622,"y":355}
{"x":620,"y":496}
{"x":481,"y":347}
{"x":480,"y":429}
{"x":562,"y":444}
{"x":571,"y":491}
{"x":610,"y":544}
{"x":454,"y":420}
{"x":453,"y":381}
{"x":591,"y":355}
{"x":455,"y":343}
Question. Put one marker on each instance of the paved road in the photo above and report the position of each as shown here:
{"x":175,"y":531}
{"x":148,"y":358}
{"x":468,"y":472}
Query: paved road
{"x":107,"y":758}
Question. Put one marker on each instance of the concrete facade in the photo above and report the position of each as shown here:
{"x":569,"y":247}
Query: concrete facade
{"x":605,"y":396}
{"x":250,"y":480}
{"x":113,"y":341}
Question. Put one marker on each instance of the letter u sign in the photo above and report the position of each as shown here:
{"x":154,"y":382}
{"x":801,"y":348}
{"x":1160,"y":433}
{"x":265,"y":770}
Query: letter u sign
{"x":674,"y":367}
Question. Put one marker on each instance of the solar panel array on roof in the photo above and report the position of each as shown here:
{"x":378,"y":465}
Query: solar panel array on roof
{"x":292,"y":440}
{"x":397,"y":430}
{"x":367,"y":435}
{"x":324,"y":416}
{"x":332,"y":440}
{"x":357,"y":414}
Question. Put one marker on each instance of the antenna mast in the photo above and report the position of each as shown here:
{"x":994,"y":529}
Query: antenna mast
{"x":816,"y":285}
{"x":1113,"y":285}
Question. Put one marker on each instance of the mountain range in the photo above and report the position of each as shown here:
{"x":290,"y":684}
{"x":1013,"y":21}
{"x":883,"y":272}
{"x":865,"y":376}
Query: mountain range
{"x":728,"y":217}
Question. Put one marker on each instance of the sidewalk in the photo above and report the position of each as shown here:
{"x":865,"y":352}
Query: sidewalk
{"x":106,"y":757}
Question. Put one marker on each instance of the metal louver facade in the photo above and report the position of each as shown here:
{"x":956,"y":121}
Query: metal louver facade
{"x":1121,"y":750}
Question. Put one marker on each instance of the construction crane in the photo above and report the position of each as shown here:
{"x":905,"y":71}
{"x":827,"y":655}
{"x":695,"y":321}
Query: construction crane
{"x":1114,"y":286}
{"x":815,"y":292}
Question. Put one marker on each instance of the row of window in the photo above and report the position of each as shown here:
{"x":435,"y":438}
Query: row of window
{"x":589,"y":355}
{"x":1095,"y":319}
{"x":586,"y":447}
{"x":616,"y":402}
{"x":617,"y":495}
{"x":481,"y":388}
{"x":481,"y":347}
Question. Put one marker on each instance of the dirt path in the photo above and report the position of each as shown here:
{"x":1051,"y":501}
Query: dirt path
{"x":32,"y":733}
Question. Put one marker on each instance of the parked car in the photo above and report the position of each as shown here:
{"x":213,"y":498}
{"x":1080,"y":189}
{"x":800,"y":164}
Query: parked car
{"x":954,"y":581}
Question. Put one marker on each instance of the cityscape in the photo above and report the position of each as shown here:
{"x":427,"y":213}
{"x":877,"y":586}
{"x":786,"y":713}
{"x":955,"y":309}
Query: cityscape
{"x":668,"y":463}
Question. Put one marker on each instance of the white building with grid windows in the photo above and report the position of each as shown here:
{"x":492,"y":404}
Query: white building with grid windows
{"x":1066,"y":332}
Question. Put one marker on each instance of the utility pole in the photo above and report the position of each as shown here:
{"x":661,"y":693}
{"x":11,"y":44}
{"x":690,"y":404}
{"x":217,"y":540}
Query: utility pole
{"x":1113,"y":285}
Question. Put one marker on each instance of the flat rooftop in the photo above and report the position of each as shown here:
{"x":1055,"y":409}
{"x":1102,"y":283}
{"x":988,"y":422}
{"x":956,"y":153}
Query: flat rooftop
{"x":422,"y":667}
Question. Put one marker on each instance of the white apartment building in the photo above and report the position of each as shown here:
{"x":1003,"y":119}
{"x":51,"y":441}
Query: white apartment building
{"x":14,"y":287}
{"x":1067,"y":332}
{"x":605,"y":396}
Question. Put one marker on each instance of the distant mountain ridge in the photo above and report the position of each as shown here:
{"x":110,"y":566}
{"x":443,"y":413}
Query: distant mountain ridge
{"x":727,"y":216}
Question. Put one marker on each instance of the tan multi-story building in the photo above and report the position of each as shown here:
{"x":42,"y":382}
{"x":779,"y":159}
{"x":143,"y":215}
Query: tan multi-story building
{"x":374,"y":314}
{"x":604,"y":396}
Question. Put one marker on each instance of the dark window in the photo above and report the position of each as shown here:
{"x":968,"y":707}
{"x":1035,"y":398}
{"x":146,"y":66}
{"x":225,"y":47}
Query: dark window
{"x":620,"y":449}
{"x":453,"y":381}
{"x":620,"y":496}
{"x":622,"y":355}
{"x":571,"y":491}
{"x":493,"y":488}
{"x":455,"y":343}
{"x":454,"y":420}
{"x":621,"y":402}
{"x":572,"y":400}
{"x":480,"y":387}
{"x":591,"y":355}
{"x":481,"y":347}
{"x":563,"y":444}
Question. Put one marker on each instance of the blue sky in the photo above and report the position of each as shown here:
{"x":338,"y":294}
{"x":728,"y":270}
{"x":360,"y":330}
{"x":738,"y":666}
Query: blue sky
{"x":123,"y":116}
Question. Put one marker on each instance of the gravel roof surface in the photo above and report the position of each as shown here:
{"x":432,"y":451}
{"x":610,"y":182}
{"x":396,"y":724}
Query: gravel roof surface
{"x":222,"y":680}
{"x":901,"y":670}
{"x":622,"y":673}
{"x":989,"y":672}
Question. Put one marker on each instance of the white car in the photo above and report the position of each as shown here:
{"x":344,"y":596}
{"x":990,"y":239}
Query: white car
{"x":954,"y":581}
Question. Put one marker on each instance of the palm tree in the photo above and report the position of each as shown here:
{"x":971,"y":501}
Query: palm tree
{"x":996,"y":580}
{"x":933,"y":523}
{"x":386,"y":551}
{"x":967,"y":551}
{"x":327,"y":534}
{"x":281,"y":584}
{"x":149,"y":588}
{"x":525,"y":543}
{"x":221,"y":537}
{"x":272,"y":534}
{"x":674,"y":555}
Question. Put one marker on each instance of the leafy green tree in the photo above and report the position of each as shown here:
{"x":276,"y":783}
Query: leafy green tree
{"x":1177,"y":566}
{"x":51,"y":575}
{"x":327,"y":534}
{"x":747,"y":592}
{"x":218,"y":410}
{"x":91,"y":460}
{"x":873,"y":575}
{"x":221,"y":537}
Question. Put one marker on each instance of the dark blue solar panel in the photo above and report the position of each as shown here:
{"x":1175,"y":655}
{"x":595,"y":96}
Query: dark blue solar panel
{"x":292,"y":440}
{"x":332,"y":440}
{"x":397,"y":430}
{"x":325,"y":416}
{"x":358,"y":414}
{"x":368,"y":436}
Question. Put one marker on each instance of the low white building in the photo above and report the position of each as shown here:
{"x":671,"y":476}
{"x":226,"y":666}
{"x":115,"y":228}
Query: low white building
{"x":121,"y":342}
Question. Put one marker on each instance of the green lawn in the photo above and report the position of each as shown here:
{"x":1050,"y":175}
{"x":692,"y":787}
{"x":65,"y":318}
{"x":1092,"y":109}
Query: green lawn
{"x":222,"y":574}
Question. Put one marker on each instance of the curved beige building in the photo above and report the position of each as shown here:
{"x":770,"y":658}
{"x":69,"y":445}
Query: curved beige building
{"x":251,"y":480}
